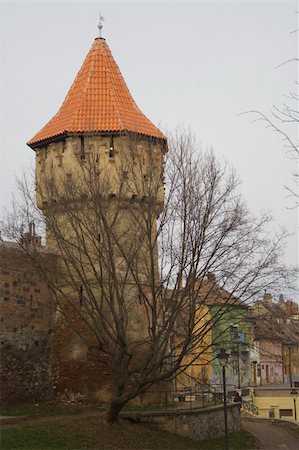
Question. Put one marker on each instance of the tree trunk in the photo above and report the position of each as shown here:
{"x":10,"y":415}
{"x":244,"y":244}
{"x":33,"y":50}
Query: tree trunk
{"x":115,"y":407}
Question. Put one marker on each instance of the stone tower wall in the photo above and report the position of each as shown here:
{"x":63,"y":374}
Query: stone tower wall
{"x":126,"y":171}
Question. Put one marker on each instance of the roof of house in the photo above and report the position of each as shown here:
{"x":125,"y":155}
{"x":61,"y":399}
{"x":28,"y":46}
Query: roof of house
{"x":274,"y":322}
{"x":213,"y":294}
{"x":98,"y":101}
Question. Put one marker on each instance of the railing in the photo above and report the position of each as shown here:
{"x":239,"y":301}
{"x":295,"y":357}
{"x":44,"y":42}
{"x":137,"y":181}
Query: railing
{"x":250,"y":407}
{"x":171,"y":400}
{"x":163,"y":400}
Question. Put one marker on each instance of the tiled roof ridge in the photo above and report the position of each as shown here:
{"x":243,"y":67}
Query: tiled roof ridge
{"x":85,"y":85}
{"x":98,"y":101}
{"x":121,"y":124}
{"x":64,"y":105}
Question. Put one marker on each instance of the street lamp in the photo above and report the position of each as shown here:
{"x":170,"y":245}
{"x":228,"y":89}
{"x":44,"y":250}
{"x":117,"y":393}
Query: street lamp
{"x":294,"y":395}
{"x":223,"y":360}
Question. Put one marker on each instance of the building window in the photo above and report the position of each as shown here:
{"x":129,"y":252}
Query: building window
{"x":81,"y":295}
{"x":258,"y":370}
{"x":235,"y":367}
{"x":111,"y":148}
{"x":82,"y":148}
{"x":285,"y":413}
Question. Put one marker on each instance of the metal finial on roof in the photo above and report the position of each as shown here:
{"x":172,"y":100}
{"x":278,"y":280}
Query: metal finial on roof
{"x":100,"y":26}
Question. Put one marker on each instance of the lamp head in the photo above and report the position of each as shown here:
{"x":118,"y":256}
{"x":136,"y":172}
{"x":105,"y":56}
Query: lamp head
{"x":223,"y":357}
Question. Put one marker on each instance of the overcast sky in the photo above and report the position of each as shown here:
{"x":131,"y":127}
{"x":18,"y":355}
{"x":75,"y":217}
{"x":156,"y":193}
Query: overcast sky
{"x":194,"y":63}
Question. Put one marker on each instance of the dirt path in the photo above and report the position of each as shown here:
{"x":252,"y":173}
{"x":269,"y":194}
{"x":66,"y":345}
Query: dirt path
{"x":271,"y":435}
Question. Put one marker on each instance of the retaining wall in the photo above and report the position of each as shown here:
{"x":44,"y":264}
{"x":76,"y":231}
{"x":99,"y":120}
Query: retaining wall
{"x":198,"y":424}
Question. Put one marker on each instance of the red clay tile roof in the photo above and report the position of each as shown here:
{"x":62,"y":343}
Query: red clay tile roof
{"x":98,"y":101}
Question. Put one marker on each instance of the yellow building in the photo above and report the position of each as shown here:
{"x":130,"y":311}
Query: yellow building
{"x":278,"y":403}
{"x":195,"y":367}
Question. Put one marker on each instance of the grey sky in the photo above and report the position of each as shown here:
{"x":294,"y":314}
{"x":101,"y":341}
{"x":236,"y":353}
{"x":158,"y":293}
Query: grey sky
{"x":199,"y":64}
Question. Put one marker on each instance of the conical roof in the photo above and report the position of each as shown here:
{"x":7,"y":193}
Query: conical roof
{"x":98,"y":101}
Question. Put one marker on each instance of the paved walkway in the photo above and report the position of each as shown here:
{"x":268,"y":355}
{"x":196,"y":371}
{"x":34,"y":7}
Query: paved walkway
{"x":271,"y":435}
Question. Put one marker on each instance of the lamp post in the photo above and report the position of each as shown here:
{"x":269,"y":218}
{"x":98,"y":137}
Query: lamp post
{"x":289,"y":343}
{"x":254,"y":363}
{"x":223,"y":360}
{"x":294,"y":395}
{"x":236,"y":340}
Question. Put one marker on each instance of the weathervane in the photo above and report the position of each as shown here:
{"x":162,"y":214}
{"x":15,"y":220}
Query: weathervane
{"x":100,"y":26}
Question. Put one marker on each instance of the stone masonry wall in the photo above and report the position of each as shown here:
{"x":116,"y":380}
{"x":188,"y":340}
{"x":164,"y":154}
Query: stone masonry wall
{"x":26,"y":321}
{"x":25,"y":376}
{"x":197,"y":424}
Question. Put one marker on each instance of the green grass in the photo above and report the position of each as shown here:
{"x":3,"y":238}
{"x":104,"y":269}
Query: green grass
{"x":44,"y":437}
{"x":89,"y":433}
{"x":240,"y":440}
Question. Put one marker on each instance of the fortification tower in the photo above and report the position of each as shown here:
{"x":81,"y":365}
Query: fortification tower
{"x":99,"y":164}
{"x":98,"y":120}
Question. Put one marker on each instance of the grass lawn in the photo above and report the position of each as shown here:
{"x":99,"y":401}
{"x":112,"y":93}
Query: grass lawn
{"x":89,"y":433}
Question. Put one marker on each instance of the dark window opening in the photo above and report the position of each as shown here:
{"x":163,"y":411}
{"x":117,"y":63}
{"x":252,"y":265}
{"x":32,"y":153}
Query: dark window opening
{"x":82,"y":149}
{"x":81,"y":295}
{"x":99,"y":237}
{"x":36,"y":343}
{"x":111,"y":148}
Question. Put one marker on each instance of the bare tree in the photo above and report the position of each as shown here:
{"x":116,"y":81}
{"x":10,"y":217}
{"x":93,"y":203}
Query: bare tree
{"x":284,"y":120}
{"x":124,"y":280}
